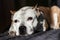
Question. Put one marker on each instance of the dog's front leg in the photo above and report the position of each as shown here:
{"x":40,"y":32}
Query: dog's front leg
{"x":55,"y":21}
{"x":54,"y":14}
{"x":12,"y":32}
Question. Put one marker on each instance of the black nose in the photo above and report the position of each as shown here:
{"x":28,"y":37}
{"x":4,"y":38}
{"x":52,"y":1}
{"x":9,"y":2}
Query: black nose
{"x":22,"y":30}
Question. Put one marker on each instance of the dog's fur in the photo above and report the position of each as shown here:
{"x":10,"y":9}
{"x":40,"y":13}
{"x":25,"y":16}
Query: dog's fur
{"x":23,"y":21}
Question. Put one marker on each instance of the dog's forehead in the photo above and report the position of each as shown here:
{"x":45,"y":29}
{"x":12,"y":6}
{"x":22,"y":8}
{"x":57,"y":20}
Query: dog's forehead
{"x":30,"y":13}
{"x":24,"y":12}
{"x":17,"y":15}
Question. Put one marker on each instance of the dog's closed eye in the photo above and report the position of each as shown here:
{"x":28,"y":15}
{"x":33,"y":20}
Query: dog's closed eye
{"x":29,"y":18}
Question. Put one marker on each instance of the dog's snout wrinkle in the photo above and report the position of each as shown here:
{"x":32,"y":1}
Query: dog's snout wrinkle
{"x":22,"y":30}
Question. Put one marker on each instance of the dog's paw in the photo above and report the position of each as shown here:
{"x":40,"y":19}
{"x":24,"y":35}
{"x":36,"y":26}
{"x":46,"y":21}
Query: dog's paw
{"x":12,"y":33}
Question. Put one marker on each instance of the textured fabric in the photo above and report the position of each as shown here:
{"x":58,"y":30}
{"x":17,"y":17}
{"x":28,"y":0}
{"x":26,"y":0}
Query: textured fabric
{"x":48,"y":35}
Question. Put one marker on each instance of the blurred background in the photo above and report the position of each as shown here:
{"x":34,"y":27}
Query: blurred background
{"x":7,"y":5}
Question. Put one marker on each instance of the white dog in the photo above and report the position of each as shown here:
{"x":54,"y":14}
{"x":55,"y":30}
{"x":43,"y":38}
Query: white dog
{"x":23,"y":22}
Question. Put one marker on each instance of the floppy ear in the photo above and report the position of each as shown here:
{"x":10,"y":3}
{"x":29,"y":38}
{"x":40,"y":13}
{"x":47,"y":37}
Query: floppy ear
{"x":12,"y":12}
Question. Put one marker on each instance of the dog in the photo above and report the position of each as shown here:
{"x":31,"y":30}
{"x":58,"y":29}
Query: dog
{"x":43,"y":16}
{"x":23,"y":22}
{"x":42,"y":23}
{"x":52,"y":16}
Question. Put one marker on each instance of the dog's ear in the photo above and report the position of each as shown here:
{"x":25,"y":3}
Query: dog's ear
{"x":35,"y":7}
{"x":12,"y":12}
{"x":38,"y":12}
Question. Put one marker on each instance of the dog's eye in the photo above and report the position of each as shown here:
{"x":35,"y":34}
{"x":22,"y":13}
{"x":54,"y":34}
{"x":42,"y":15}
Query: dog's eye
{"x":30,"y":18}
{"x":16,"y":21}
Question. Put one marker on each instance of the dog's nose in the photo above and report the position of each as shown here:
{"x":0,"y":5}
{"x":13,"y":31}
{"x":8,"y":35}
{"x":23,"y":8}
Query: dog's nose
{"x":22,"y":30}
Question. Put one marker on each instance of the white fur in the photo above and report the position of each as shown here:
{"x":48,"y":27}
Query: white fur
{"x":22,"y":16}
{"x":55,"y":19}
{"x":44,"y":28}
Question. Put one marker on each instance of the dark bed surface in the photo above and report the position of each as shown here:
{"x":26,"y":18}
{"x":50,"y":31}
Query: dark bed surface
{"x":48,"y":35}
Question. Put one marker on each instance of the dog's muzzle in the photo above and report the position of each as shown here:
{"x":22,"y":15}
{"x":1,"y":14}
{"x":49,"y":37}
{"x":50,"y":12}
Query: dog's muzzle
{"x":22,"y":30}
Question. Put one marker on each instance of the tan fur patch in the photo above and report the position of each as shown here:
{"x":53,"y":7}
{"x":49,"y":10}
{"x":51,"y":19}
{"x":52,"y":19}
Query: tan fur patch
{"x":55,"y":10}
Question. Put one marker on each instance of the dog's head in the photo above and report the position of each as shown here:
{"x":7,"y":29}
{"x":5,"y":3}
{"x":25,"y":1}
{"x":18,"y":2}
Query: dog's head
{"x":23,"y":21}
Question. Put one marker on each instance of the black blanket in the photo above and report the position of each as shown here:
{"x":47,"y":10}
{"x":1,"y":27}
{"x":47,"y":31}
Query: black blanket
{"x":48,"y":35}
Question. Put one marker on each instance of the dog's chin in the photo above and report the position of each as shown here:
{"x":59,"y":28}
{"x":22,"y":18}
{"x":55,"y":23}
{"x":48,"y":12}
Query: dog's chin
{"x":27,"y":34}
